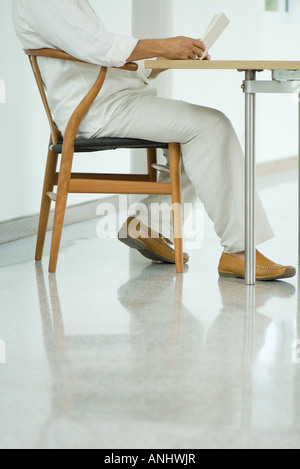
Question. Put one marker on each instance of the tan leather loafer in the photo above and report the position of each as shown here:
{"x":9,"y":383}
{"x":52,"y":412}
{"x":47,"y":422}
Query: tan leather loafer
{"x":150,"y":244}
{"x":230,"y":266}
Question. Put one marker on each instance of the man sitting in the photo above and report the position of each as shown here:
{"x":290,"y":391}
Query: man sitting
{"x":128,"y":107}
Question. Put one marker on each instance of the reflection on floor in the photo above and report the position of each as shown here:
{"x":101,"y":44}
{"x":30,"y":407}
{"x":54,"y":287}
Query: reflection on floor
{"x":114,"y":352}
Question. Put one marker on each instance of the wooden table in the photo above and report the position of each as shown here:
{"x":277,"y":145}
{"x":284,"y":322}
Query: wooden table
{"x":285,"y":79}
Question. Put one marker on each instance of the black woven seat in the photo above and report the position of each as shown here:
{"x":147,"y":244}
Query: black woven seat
{"x":85,"y":145}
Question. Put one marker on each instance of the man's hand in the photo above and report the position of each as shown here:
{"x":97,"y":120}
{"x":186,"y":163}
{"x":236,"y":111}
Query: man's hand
{"x":183,"y":48}
{"x":177,"y":48}
{"x":157,"y":71}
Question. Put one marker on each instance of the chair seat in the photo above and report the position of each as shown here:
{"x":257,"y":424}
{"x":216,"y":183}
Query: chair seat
{"x":84,"y":145}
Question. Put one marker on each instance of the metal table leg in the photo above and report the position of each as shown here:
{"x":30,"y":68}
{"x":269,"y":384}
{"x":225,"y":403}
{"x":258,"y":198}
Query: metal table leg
{"x":284,"y":81}
{"x":250,"y":178}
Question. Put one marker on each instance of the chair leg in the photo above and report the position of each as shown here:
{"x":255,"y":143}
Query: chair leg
{"x":152,"y":159}
{"x":175,"y":169}
{"x":60,"y":209}
{"x":46,"y":203}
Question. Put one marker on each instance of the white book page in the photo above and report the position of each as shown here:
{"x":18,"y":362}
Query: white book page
{"x":217,"y":26}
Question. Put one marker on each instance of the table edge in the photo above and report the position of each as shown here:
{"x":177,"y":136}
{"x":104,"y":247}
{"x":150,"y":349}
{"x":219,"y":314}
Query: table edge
{"x":222,"y":65}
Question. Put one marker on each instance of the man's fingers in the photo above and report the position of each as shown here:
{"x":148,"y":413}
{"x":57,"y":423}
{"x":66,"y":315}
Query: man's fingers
{"x":184,"y":48}
{"x":199,"y":44}
{"x":199,"y":48}
{"x":198,"y":52}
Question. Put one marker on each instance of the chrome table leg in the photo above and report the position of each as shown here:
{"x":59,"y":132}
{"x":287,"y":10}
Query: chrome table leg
{"x":250,"y":184}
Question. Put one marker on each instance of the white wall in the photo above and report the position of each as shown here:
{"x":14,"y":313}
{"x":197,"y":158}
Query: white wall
{"x":22,"y":131}
{"x":253,"y":34}
{"x":152,"y":19}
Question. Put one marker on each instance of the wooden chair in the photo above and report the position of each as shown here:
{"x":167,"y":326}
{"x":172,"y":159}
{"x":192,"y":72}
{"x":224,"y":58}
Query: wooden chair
{"x":68,"y":182}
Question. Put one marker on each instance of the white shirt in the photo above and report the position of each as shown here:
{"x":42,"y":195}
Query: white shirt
{"x":73,"y":26}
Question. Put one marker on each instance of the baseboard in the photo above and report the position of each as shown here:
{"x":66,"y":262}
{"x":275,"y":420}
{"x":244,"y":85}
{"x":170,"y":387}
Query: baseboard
{"x":277,"y":166}
{"x":19,"y":228}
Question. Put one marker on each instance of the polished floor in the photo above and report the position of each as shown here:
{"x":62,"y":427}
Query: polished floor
{"x":114,"y":352}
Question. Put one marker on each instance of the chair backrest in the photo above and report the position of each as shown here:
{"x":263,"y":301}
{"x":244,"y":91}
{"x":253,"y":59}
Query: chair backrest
{"x":82,"y":109}
{"x":55,"y":133}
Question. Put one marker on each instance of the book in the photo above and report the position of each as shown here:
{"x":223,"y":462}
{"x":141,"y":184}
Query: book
{"x":217,"y":26}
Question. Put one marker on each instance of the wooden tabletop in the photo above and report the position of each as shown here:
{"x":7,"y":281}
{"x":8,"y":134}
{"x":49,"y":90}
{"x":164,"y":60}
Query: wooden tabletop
{"x":222,"y":65}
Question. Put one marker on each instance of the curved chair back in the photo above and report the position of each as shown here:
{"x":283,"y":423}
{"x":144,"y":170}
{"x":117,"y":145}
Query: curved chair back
{"x":84,"y":106}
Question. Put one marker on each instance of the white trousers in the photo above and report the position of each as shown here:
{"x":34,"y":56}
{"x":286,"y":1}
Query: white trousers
{"x":212,"y":157}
